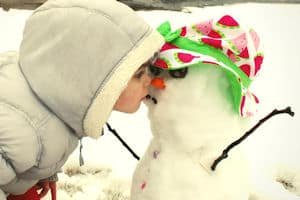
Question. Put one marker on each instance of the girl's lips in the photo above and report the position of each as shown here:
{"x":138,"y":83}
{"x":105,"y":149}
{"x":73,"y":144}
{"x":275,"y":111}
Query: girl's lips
{"x":145,"y":97}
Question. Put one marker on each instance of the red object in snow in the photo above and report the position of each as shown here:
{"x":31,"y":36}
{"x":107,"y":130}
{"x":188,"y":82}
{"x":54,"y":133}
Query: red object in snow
{"x":52,"y":186}
{"x":143,"y":185}
{"x":31,"y":194}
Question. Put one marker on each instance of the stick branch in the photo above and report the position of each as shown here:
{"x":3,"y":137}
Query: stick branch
{"x":224,"y":155}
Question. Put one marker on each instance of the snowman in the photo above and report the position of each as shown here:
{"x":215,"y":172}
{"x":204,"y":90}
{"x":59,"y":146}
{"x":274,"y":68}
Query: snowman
{"x":201,"y":103}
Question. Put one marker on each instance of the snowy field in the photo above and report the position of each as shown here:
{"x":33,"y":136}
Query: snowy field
{"x":274,"y":149}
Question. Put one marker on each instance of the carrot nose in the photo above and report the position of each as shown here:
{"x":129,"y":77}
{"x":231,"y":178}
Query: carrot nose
{"x":158,"y":83}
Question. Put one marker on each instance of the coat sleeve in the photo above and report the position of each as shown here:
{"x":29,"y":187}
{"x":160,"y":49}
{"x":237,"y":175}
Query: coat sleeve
{"x":2,"y":195}
{"x":19,"y":144}
{"x":7,"y":172}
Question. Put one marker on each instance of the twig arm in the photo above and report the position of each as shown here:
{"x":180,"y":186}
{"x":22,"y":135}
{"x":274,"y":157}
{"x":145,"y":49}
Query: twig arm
{"x":224,"y":155}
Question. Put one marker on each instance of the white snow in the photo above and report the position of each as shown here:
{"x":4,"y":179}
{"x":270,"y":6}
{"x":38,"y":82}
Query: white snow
{"x":109,"y":166}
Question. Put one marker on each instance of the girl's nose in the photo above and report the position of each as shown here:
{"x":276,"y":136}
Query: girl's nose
{"x":147,"y":80}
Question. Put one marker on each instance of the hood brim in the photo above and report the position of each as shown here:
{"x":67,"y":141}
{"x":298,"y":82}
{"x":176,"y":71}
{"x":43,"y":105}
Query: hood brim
{"x":106,"y":97}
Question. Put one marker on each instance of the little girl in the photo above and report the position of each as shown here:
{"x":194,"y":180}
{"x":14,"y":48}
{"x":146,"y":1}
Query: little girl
{"x":77,"y":62}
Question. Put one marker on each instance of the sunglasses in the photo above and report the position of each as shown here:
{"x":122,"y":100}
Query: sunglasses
{"x":178,"y":73}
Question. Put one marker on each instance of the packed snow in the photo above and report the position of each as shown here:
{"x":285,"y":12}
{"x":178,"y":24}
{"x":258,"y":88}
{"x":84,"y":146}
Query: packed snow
{"x":273,"y":149}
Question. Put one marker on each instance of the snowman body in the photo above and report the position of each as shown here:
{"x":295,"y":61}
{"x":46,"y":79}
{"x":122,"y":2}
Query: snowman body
{"x":192,"y":123}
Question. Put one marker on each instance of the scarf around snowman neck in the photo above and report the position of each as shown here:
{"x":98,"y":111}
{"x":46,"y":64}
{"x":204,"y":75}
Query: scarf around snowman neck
{"x":221,"y":43}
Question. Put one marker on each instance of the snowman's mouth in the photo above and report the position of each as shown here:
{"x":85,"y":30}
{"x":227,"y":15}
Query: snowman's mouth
{"x":149,"y":97}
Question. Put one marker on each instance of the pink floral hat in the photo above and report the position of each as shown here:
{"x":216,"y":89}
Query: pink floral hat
{"x":220,"y":43}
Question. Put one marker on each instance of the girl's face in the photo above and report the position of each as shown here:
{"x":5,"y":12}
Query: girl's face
{"x":136,"y":91}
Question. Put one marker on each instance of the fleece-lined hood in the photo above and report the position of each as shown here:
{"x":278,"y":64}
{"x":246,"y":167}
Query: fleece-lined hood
{"x":78,"y":55}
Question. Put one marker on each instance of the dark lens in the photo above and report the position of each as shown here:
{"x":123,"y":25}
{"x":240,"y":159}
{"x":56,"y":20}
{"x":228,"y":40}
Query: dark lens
{"x":179,"y":73}
{"x":155,"y":71}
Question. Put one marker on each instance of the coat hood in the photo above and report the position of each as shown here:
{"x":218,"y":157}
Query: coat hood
{"x":78,"y":56}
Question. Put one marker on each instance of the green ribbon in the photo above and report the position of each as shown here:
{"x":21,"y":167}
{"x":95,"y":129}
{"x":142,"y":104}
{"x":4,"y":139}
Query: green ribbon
{"x":165,"y":30}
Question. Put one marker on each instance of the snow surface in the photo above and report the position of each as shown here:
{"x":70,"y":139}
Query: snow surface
{"x":273,"y":149}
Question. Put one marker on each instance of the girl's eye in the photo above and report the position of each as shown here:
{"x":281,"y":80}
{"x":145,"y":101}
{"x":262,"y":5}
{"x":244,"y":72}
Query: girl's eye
{"x":139,"y":74}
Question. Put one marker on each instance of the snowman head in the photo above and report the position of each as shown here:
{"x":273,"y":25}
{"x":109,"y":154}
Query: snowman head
{"x":220,"y":43}
{"x":197,"y":97}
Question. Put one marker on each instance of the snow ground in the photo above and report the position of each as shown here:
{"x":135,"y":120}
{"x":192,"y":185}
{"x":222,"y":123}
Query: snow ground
{"x":108,"y":169}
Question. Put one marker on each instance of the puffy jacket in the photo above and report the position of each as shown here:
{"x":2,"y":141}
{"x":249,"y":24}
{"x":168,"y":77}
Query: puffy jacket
{"x":75,"y":59}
